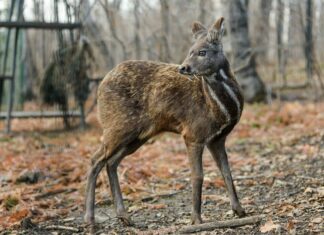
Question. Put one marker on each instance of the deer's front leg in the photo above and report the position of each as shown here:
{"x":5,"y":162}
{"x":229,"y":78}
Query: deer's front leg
{"x":195,"y":151}
{"x":218,"y":151}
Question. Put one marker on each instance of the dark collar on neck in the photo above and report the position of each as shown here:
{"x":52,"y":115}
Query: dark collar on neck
{"x":218,"y":76}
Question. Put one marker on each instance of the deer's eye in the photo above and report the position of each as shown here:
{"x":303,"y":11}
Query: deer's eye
{"x":201,"y":53}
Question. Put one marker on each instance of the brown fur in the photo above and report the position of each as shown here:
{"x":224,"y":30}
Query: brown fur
{"x":152,"y":97}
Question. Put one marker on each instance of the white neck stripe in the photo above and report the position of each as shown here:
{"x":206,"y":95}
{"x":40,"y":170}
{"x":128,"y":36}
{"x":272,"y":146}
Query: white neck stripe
{"x":220,"y":104}
{"x":223,"y":74}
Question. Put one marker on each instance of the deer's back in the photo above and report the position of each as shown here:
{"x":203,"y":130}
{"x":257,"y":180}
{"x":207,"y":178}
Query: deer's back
{"x":149,"y":97}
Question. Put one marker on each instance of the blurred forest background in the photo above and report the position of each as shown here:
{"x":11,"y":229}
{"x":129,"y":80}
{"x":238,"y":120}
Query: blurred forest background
{"x":277,"y":42}
{"x":57,"y":51}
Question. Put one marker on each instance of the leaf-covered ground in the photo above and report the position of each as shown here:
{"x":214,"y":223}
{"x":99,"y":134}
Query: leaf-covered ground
{"x":276,"y":154}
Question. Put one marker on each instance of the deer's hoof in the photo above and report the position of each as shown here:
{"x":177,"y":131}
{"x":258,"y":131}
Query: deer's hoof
{"x":239,"y":211}
{"x":89,"y":219}
{"x":126,"y":219}
{"x":196,"y":219}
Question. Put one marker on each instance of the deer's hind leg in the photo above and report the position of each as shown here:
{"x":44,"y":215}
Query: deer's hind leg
{"x":107,"y":152}
{"x":111,"y":169}
{"x":111,"y":159}
{"x":98,"y":162}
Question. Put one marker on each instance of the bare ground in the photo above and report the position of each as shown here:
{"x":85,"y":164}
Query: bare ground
{"x":277,"y":173}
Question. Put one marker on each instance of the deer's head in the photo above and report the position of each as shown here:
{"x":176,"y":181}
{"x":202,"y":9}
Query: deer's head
{"x":206,"y":55}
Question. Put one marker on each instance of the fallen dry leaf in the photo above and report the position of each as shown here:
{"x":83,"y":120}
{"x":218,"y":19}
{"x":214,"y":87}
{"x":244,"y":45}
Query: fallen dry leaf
{"x":285,"y":208}
{"x":317,"y":220}
{"x":17,"y":216}
{"x":219,"y":182}
{"x":268,"y":226}
{"x":157,"y":206}
{"x":291,"y":227}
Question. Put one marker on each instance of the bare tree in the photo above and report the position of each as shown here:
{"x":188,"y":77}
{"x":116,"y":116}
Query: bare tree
{"x":309,"y":47}
{"x":202,"y":11}
{"x":59,"y":32}
{"x":249,"y":79}
{"x":165,"y":20}
{"x":309,"y":42}
{"x":110,"y":11}
{"x":137,"y":39}
{"x":68,"y":10}
{"x":260,"y":27}
{"x":280,"y":44}
{"x":93,"y":31}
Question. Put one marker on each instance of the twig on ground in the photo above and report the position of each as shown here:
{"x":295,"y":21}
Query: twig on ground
{"x":104,"y":202}
{"x":54,"y":192}
{"x":247,"y":177}
{"x":68,"y":219}
{"x":60,"y":227}
{"x":222,"y":224}
{"x":292,"y":193}
{"x":164,"y":195}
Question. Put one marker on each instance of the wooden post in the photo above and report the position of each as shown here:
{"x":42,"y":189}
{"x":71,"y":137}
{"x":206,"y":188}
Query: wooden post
{"x":12,"y":81}
{"x":6,"y":51}
{"x":12,"y":86}
{"x":221,"y":224}
{"x":82,"y":117}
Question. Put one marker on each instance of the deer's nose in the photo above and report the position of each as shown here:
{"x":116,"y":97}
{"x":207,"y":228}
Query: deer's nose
{"x":184,"y":69}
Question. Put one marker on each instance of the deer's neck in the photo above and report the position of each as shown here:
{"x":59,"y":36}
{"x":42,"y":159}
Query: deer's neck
{"x":223,"y":94}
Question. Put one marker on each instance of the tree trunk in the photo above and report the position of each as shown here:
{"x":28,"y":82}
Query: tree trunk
{"x":111,"y":17}
{"x":165,"y":55}
{"x":137,"y":39}
{"x":250,"y":81}
{"x":309,"y":42}
{"x":93,"y":31}
{"x":281,"y":57}
{"x":59,"y":32}
{"x":202,"y":11}
{"x":69,"y":19}
{"x":260,"y":28}
{"x":312,"y":65}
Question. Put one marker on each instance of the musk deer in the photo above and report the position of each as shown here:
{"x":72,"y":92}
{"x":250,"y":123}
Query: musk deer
{"x":200,"y":99}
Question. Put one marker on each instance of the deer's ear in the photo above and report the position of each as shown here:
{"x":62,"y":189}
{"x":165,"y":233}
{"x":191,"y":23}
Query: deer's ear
{"x":198,"y":29}
{"x":216,"y":31}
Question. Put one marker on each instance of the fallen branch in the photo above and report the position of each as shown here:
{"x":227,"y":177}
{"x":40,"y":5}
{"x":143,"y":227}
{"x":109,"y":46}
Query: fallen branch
{"x":291,"y":86}
{"x":60,"y":227}
{"x":222,"y":224}
{"x":164,"y":195}
{"x":68,"y":219}
{"x":54,"y":192}
{"x":248,"y":177}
